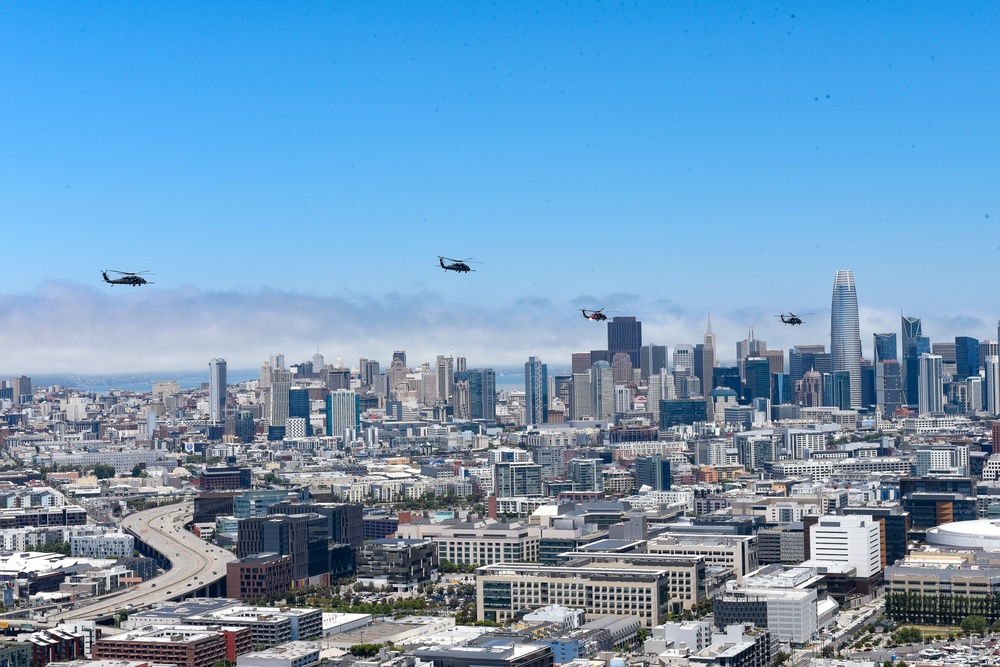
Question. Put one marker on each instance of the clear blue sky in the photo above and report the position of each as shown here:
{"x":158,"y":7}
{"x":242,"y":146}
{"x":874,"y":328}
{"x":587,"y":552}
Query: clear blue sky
{"x":286,"y":167}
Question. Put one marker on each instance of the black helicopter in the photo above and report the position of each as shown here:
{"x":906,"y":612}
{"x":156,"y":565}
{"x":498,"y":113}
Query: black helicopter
{"x":595,"y":315}
{"x":458,"y":265}
{"x":791,"y":318}
{"x":127,"y":278}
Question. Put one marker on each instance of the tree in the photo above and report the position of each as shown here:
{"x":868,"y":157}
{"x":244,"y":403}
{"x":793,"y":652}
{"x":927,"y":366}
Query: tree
{"x":780,"y":658}
{"x":973,"y":624}
{"x":225,"y":662}
{"x":103,"y":470}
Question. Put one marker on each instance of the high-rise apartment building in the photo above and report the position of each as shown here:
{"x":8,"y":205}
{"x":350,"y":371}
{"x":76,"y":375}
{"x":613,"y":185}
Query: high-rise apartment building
{"x":536,"y":392}
{"x":281,"y":383}
{"x":586,"y":474}
{"x":602,"y":390}
{"x":845,"y":332}
{"x":445,"y":377}
{"x":343,"y":412}
{"x":930,"y":389}
{"x":217,"y":390}
{"x":992,"y":406}
{"x":625,"y":335}
{"x":482,"y":393}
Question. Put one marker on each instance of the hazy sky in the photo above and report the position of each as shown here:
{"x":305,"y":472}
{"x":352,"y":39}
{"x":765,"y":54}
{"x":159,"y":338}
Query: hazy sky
{"x":290,"y":172}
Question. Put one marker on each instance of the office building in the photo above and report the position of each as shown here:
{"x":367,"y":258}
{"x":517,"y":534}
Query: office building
{"x":930,"y":386}
{"x":845,"y":333}
{"x":644,"y":586}
{"x":302,"y":537}
{"x":966,"y":357}
{"x":852,"y":539}
{"x":625,"y":335}
{"x":536,"y":392}
{"x":889,"y":396}
{"x":505,"y":654}
{"x":400,"y":564}
{"x":885,"y":347}
{"x":682,"y":411}
{"x":217,"y":390}
{"x":181,"y":645}
{"x":757,"y":371}
{"x":580,"y":396}
{"x":652,"y":359}
{"x":258,"y":576}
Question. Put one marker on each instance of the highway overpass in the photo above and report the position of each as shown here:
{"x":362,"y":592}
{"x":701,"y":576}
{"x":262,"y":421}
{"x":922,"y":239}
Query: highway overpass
{"x":197,"y":568}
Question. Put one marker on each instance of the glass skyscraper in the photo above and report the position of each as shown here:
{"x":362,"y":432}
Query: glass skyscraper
{"x":625,"y":335}
{"x":845,"y":332}
{"x":536,"y":392}
{"x":217,"y":390}
{"x":885,"y":347}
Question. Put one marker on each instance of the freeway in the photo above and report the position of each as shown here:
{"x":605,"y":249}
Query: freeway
{"x":194,"y":563}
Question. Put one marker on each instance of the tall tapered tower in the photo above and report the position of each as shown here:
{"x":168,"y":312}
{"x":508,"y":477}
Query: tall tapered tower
{"x":845,"y":332}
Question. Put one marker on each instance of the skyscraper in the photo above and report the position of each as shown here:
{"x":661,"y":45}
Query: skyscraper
{"x":845,"y":332}
{"x":625,"y":335}
{"x":602,"y":390}
{"x":885,"y":347}
{"x":930,"y":397}
{"x":992,"y":363}
{"x":343,"y":412}
{"x":536,"y":391}
{"x":217,"y":390}
{"x":281,"y":383}
{"x":966,"y":357}
{"x":482,"y":393}
{"x":652,"y":359}
{"x":445,"y":377}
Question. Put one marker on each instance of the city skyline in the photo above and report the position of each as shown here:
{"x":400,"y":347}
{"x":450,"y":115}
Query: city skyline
{"x":292,"y":174}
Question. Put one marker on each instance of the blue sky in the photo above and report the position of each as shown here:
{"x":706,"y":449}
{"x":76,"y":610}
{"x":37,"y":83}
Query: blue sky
{"x":290,"y":172}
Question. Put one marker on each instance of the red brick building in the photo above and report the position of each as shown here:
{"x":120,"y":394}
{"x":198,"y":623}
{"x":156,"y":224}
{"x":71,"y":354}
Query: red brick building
{"x":258,"y":576}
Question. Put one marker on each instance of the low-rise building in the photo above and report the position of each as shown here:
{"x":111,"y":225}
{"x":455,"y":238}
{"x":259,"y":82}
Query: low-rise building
{"x":292,"y":654}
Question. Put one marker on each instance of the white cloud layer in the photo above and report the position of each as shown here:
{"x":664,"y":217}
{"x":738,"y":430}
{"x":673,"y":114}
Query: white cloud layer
{"x":68,"y":328}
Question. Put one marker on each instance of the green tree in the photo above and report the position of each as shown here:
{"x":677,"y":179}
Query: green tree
{"x":225,"y":662}
{"x":365,"y":650}
{"x":136,"y":470}
{"x":973,"y":624}
{"x":102,"y":470}
{"x":780,"y":658}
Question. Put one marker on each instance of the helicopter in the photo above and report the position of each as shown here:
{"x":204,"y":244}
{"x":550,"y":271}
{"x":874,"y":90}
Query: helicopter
{"x":458,"y":265}
{"x":595,"y":315}
{"x":127,"y":278}
{"x":791,"y":318}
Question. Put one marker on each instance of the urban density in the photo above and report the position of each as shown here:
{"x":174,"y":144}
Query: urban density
{"x":660,"y":503}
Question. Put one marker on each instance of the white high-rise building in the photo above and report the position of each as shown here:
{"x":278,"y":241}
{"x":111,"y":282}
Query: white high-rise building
{"x":623,"y":398}
{"x":683,"y":357}
{"x":856,"y":540}
{"x":992,"y":364}
{"x":845,"y":332}
{"x":580,"y":404}
{"x":445,"y":377}
{"x":217,"y":390}
{"x":342,"y":413}
{"x":930,"y":387}
{"x":281,"y":382}
{"x":602,"y":388}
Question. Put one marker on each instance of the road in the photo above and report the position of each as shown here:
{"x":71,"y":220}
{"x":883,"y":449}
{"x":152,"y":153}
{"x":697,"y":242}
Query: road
{"x":194,"y":563}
